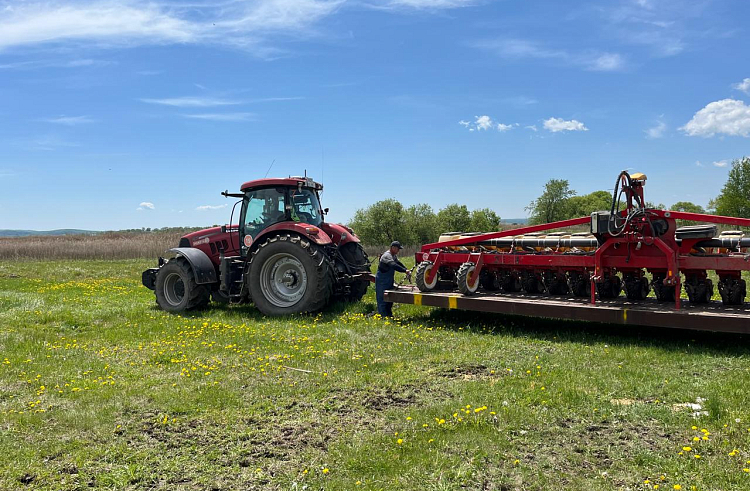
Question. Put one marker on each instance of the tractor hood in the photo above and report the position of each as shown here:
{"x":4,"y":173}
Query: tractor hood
{"x":213,"y":241}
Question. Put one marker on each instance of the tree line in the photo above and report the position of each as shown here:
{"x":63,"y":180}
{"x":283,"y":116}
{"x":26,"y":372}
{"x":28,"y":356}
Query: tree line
{"x":389,"y":220}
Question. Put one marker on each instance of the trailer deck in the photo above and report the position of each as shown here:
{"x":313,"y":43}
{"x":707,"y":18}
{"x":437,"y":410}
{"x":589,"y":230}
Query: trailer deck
{"x":712,"y":316}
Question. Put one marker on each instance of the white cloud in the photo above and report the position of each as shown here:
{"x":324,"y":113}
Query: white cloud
{"x":531,"y":127}
{"x":727,"y":117}
{"x":485,"y":123}
{"x":656,"y":131}
{"x":70,"y":120}
{"x":721,"y":163}
{"x":698,"y":163}
{"x":558,"y":124}
{"x":223,"y":116}
{"x":744,"y":86}
{"x":145,"y":205}
{"x":516,"y":49}
{"x":210,"y":207}
{"x":192,"y":102}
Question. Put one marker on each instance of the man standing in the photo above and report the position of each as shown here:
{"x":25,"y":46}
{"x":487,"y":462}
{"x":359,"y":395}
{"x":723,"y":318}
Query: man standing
{"x":387,"y":268}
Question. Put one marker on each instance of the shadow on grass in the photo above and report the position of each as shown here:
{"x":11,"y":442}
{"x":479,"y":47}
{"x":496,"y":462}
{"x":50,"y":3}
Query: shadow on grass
{"x":569,"y":331}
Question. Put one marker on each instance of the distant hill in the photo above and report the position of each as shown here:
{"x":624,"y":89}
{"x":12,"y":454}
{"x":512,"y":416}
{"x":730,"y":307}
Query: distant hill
{"x":29,"y":233}
{"x":520,"y":221}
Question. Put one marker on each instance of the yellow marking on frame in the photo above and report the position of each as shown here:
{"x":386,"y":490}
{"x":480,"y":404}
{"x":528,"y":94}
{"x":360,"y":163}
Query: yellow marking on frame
{"x":452,"y":302}
{"x":417,"y":299}
{"x":624,"y":315}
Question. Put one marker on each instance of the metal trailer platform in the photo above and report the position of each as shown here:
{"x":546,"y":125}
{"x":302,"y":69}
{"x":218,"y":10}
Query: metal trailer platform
{"x":712,"y":316}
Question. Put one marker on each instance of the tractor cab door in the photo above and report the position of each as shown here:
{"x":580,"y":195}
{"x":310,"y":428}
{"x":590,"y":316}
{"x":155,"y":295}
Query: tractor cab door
{"x":261,"y":208}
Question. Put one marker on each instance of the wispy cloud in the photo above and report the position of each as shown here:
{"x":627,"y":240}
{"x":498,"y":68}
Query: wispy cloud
{"x":242,"y":24}
{"x":45,"y":63}
{"x":483,"y":123}
{"x":210,"y":207}
{"x":190,"y":101}
{"x":429,"y":4}
{"x":744,"y":86}
{"x":145,"y":205}
{"x":721,"y":163}
{"x":656,"y":131}
{"x":70,"y":120}
{"x":724,"y":117}
{"x":236,"y":117}
{"x":206,"y":101}
{"x":518,"y":49}
{"x":556,"y":125}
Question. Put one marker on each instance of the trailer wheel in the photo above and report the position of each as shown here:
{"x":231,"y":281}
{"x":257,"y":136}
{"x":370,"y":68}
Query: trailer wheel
{"x":289,"y":275}
{"x":423,"y":270}
{"x":462,"y":278}
{"x":176,"y":289}
{"x":732,"y":291}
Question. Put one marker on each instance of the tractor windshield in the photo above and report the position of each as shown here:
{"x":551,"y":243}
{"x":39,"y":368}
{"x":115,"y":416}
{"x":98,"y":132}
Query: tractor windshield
{"x":306,"y":207}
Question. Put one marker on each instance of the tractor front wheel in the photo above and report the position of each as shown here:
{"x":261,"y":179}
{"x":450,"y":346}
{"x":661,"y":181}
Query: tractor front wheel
{"x":289,"y":275}
{"x":176,"y":289}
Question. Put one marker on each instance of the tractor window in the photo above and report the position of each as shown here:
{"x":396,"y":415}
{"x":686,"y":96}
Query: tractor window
{"x":306,"y":207}
{"x":264,"y":208}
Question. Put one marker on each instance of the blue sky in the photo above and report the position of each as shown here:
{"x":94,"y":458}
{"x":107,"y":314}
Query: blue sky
{"x":137,"y":114}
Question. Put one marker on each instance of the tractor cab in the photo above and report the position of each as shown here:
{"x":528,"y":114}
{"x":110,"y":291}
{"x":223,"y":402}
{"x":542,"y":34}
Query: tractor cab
{"x":268,"y":202}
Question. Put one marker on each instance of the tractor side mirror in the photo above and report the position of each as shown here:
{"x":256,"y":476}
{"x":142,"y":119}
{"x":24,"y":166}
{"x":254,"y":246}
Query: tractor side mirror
{"x":223,"y":229}
{"x":325,"y":211}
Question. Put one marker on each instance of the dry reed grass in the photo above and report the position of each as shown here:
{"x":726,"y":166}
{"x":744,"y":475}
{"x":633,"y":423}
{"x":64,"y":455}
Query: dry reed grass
{"x":109,"y":245}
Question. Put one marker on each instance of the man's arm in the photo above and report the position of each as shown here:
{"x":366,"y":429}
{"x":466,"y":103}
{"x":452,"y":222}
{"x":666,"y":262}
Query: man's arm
{"x":387,"y":261}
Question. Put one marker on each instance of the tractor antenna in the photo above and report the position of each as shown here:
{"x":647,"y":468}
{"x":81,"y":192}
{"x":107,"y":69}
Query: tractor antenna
{"x":269,"y":168}
{"x":322,"y":165}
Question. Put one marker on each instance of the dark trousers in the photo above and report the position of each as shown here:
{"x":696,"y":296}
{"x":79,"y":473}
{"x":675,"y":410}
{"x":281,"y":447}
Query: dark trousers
{"x":383,"y":282}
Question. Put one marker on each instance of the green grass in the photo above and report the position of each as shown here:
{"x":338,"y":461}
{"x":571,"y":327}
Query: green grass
{"x":101,"y":390}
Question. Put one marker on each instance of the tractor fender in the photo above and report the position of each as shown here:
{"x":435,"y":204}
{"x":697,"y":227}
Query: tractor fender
{"x":320,"y":237}
{"x":203,"y":269}
{"x":339,"y":234}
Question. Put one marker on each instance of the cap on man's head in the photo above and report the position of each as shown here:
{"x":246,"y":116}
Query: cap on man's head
{"x":396,"y":243}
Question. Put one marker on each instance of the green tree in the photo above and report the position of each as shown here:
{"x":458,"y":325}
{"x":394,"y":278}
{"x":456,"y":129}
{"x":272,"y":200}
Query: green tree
{"x":688,"y":207}
{"x":551,"y":206}
{"x":581,"y":206}
{"x":380,"y":223}
{"x":734,"y":199}
{"x":454,"y":218}
{"x":484,"y":220}
{"x":420,"y":225}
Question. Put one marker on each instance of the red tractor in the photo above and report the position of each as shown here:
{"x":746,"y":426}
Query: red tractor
{"x":283,"y":256}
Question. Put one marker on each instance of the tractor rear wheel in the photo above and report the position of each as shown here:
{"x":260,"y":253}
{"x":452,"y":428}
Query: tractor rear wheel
{"x":176,"y":289}
{"x":289,"y":275}
{"x":356,"y":258}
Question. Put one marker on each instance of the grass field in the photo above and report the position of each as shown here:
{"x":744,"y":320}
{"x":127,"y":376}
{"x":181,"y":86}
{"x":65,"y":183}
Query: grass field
{"x":100,"y":390}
